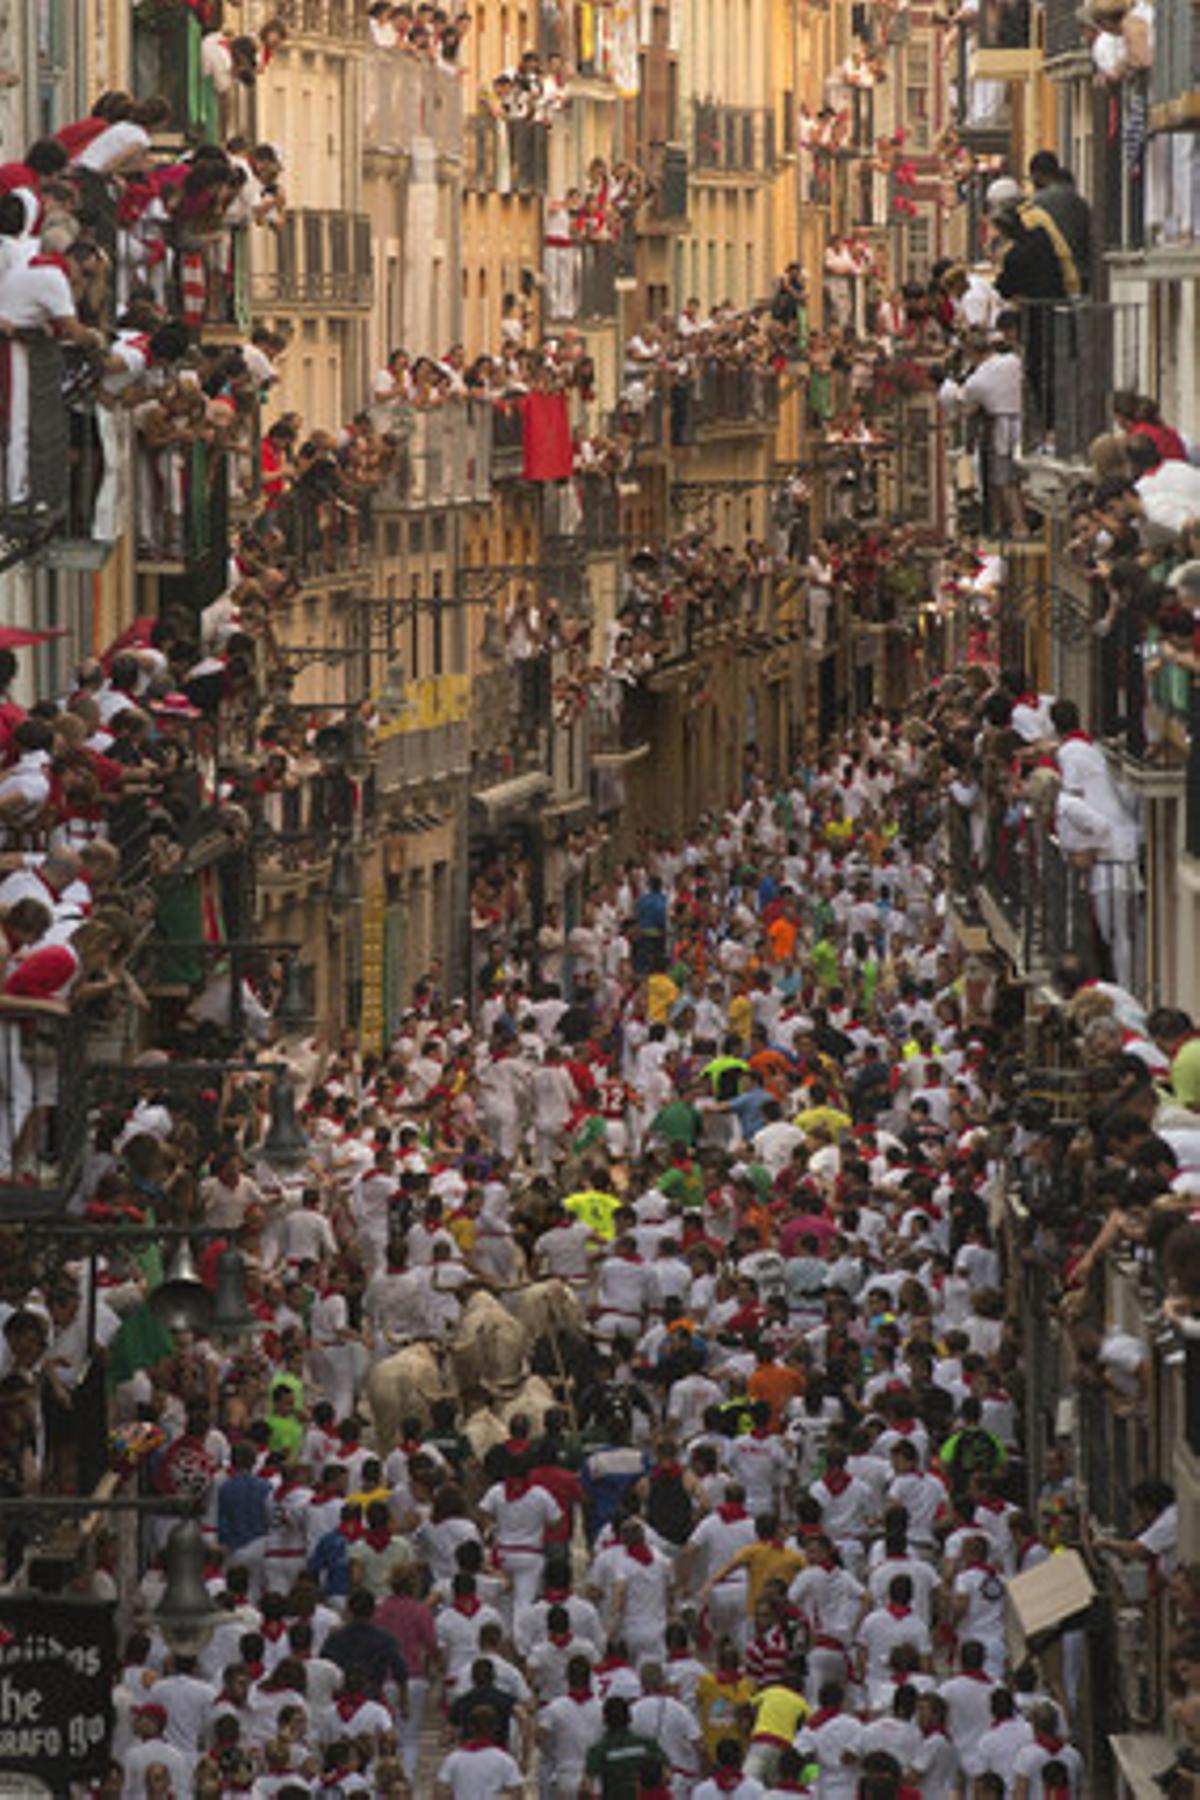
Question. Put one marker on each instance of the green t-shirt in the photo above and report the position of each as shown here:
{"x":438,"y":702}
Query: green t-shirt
{"x":678,"y":1122}
{"x":286,"y":1431}
{"x":616,"y":1763}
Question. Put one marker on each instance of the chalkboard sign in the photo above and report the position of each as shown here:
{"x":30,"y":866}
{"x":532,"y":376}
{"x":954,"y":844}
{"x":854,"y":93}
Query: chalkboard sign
{"x":57,"y":1670}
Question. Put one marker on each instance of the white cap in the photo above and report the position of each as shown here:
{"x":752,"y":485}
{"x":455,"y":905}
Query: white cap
{"x":1002,"y":194}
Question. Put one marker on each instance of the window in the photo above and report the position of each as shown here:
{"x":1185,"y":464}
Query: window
{"x":414,"y":631}
{"x":920,"y":247}
{"x":917,"y":85}
{"x":416,"y":537}
{"x":437,"y":615}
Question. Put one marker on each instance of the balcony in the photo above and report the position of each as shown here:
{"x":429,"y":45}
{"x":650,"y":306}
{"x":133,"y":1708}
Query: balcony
{"x":208,"y":281}
{"x":510,"y":721}
{"x":181,"y":496}
{"x":297,"y":825}
{"x":313,"y":18}
{"x":508,"y":441}
{"x":35,"y":473}
{"x":581,"y":282}
{"x":446,"y":460}
{"x":1064,"y":32}
{"x":430,"y":742}
{"x":1121,"y":209}
{"x":582,"y":515}
{"x":668,"y":172}
{"x":43,"y":1110}
{"x":507,"y":156}
{"x":1175,"y":77}
{"x":325,"y":538}
{"x":732,"y":140}
{"x":322,"y":260}
{"x":166,"y":61}
{"x":407,"y":104}
{"x":1006,"y":44}
{"x":721,"y":398}
{"x":1076,"y":353}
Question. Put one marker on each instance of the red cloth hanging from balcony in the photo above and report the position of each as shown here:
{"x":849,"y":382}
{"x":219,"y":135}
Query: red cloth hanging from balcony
{"x":548,"y":454}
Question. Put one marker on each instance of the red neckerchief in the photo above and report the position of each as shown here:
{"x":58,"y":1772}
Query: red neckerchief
{"x":468,"y":1605}
{"x":760,"y":1432}
{"x":580,"y":1696}
{"x":555,"y":1596}
{"x":628,"y":1256}
{"x":822,"y":1716}
{"x":728,"y":1779}
{"x":837,"y":1480}
{"x":975,"y":1675}
{"x":273,"y":1629}
{"x":610,"y":1663}
{"x":1075,"y":737}
{"x":899,"y":1612}
{"x":667,"y":1471}
{"x":992,"y":1506}
{"x":515,"y":1486}
{"x":731,"y":1511}
{"x":560,"y":1639}
{"x":255,"y":1670}
{"x":641,"y":1553}
{"x":480,"y":1744}
{"x":323,"y":1496}
{"x":379,"y":1537}
{"x":348,"y":1704}
{"x":1051,"y":1745}
{"x":352,"y":1530}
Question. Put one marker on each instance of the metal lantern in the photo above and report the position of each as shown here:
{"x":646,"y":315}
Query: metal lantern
{"x":182,"y":1302}
{"x":186,"y":1614}
{"x":285,"y":1145}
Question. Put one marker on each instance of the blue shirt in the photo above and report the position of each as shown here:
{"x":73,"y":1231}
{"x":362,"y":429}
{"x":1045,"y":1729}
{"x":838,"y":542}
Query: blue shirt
{"x":243,"y":1510}
{"x":330,"y":1562}
{"x":748,"y":1108}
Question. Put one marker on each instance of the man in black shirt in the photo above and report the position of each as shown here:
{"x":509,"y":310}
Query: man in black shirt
{"x":362,"y":1644}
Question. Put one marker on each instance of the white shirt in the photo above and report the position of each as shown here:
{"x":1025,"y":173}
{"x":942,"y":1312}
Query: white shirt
{"x":520,"y":1523}
{"x":668,"y":1723}
{"x":480,"y":1774}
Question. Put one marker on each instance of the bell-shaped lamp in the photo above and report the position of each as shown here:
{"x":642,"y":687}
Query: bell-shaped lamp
{"x":182,"y":1302}
{"x":292,"y":1010}
{"x":231,"y":1315}
{"x":285,"y":1145}
{"x":186,"y":1614}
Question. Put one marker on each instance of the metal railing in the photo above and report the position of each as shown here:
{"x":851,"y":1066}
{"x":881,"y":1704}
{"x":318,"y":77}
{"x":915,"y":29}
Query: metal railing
{"x":508,"y":440}
{"x":1064,"y":30}
{"x":315,"y":18}
{"x":1176,"y":70}
{"x":320,"y":258}
{"x":669,"y":173}
{"x":584,"y":511}
{"x":326,"y":530}
{"x":724,"y":393}
{"x":208,"y":278}
{"x":407,"y":103}
{"x":1076,"y":352}
{"x":1123,"y":169}
{"x":445,"y":456}
{"x":181,"y":496}
{"x":1006,"y":25}
{"x":33,"y":472}
{"x":581,"y":283}
{"x":507,"y":156}
{"x":43,"y":1109}
{"x":298,"y":822}
{"x":732,"y":140}
{"x":413,"y":758}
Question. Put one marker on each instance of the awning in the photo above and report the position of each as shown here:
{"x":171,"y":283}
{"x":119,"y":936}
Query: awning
{"x":508,"y":799}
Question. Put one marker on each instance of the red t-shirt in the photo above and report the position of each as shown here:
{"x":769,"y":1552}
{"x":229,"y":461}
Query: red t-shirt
{"x":45,"y":974}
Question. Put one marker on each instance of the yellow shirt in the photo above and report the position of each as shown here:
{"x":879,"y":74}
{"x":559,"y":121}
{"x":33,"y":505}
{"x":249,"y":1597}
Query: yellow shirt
{"x":661,"y":995}
{"x":765,"y":1562}
{"x":741,"y":1016}
{"x":780,"y":1711}
{"x":828,"y":1116}
{"x":595,"y":1209}
{"x":721,"y":1706}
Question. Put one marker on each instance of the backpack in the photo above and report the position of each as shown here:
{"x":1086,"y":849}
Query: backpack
{"x":669,"y":1508}
{"x":974,"y":1454}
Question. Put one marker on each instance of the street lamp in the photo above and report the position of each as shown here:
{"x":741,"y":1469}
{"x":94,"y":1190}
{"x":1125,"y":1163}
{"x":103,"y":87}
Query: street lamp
{"x":186,"y":1614}
{"x":285,"y":1145}
{"x":182,"y":1302}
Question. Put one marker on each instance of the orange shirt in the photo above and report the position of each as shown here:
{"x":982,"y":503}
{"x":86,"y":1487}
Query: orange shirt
{"x":776,"y":1383}
{"x":781,"y":935}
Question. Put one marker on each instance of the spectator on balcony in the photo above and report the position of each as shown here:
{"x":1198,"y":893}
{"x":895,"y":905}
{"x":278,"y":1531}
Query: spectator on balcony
{"x":994,"y":388}
{"x":1123,"y":44}
{"x":1036,"y":268}
{"x":1138,"y":416}
{"x":1156,"y":1539}
{"x":1104,"y":848}
{"x":1056,"y":195}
